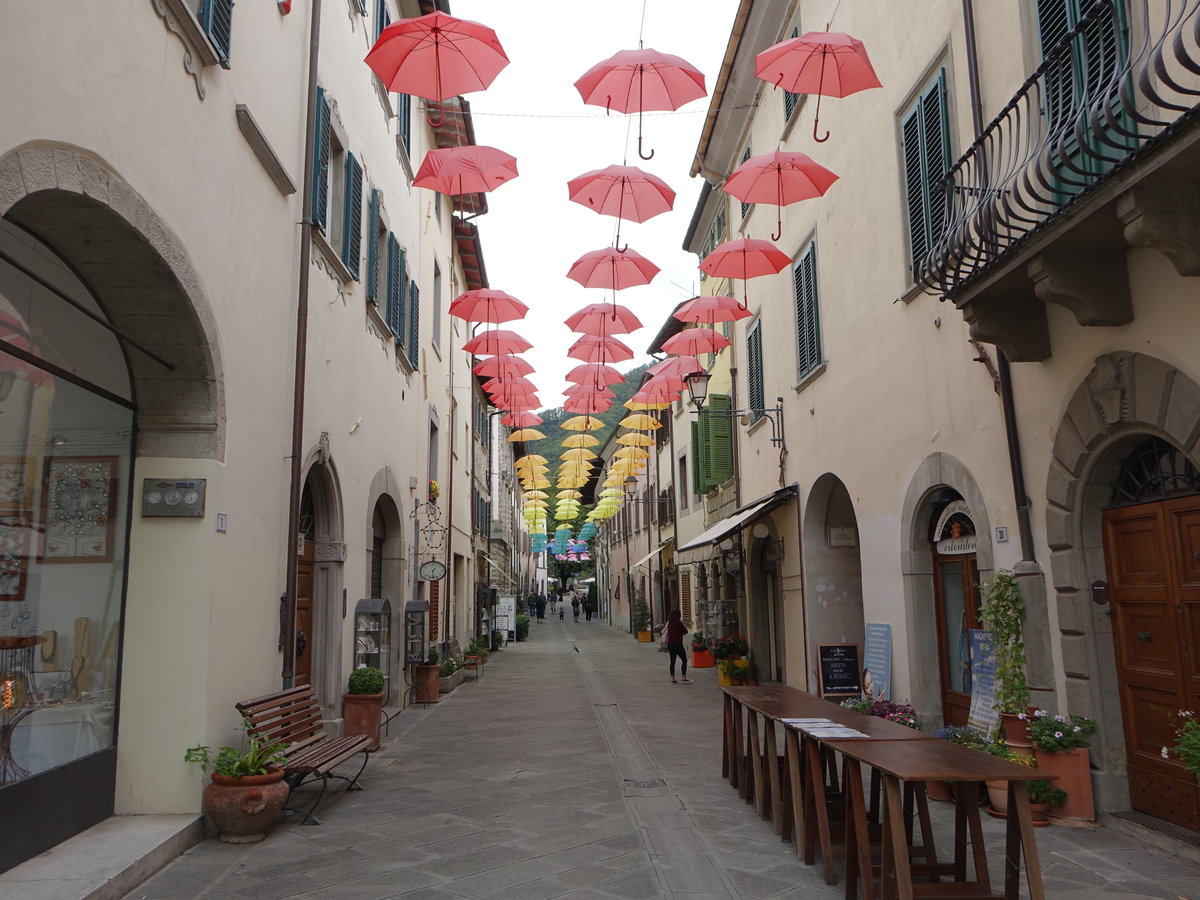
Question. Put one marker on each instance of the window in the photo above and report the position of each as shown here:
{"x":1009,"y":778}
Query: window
{"x":808,"y":331}
{"x":684,"y":493}
{"x":437,"y":306}
{"x":216,"y":18}
{"x":382,"y":19}
{"x":352,"y":214}
{"x":925,"y":148}
{"x":404,"y":121}
{"x":746,"y":206}
{"x":790,"y":100}
{"x":716,"y":234}
{"x":337,"y":188}
{"x":396,"y":279}
{"x":712,"y":445}
{"x":377,"y":242}
{"x":414,"y":324}
{"x":754,"y":370}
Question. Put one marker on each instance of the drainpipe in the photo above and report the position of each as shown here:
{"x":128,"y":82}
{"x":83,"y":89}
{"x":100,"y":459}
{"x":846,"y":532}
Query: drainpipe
{"x":1007,"y":404}
{"x":297,"y":474}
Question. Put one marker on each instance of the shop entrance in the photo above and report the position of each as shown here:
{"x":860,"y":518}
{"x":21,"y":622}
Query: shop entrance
{"x":956,"y":599}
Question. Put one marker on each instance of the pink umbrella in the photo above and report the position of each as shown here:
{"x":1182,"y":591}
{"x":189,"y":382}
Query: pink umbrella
{"x":710,"y":310}
{"x":503,"y":365}
{"x":587,"y":405}
{"x":597,"y":373}
{"x":622,"y":191}
{"x":677,"y":366}
{"x":780,"y":178}
{"x":602,"y":319}
{"x":601,"y":349}
{"x":521,"y":420}
{"x":828,"y":64}
{"x":692,"y":341}
{"x":588,"y":390}
{"x":498,"y":383}
{"x":469,"y":169}
{"x":745,"y":258}
{"x":436,"y":56}
{"x":664,"y":383}
{"x":612,"y":268}
{"x":496,"y":342}
{"x":640,"y":81}
{"x":487,"y":305}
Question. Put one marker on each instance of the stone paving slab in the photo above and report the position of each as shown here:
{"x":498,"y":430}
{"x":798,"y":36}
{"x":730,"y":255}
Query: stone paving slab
{"x":583,"y":775}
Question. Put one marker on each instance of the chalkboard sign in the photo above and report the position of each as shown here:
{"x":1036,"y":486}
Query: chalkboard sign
{"x":839,"y":670}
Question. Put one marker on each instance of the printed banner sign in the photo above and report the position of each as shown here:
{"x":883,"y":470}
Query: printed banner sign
{"x":983,"y":716}
{"x":877,"y":662}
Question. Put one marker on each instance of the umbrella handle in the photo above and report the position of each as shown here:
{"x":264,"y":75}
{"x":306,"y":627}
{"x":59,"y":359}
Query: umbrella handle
{"x":819,"y":140}
{"x":441,"y":119}
{"x":817,"y":112}
{"x":640,"y":153}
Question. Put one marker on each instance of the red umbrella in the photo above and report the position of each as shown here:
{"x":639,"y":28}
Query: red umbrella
{"x":601,"y":349}
{"x":612,"y":268}
{"x":780,"y":178}
{"x":745,"y":258}
{"x":603,"y":319}
{"x":586,"y":405}
{"x":640,"y":81}
{"x":828,"y":64}
{"x":663,"y":383}
{"x":710,"y":310}
{"x":622,"y":191}
{"x":487,"y":305}
{"x":499,"y":383}
{"x":521,"y":419}
{"x":677,"y":366}
{"x":588,"y":390}
{"x":496,"y":342}
{"x":597,"y":373}
{"x":436,"y":56}
{"x":468,"y":169}
{"x":503,"y":365}
{"x":691,"y":341}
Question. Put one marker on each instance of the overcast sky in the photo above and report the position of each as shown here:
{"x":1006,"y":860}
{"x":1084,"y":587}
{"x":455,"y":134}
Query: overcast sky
{"x":532,"y":232}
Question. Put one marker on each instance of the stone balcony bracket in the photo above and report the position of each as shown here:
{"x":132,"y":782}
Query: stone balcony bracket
{"x":1094,"y":287}
{"x":1166,"y":219}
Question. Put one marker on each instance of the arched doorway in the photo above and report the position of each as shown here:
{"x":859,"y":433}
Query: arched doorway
{"x":953,"y":542}
{"x":321,"y":554}
{"x":766,"y":603}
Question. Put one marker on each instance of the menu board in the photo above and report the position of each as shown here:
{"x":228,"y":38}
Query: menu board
{"x":839,"y":670}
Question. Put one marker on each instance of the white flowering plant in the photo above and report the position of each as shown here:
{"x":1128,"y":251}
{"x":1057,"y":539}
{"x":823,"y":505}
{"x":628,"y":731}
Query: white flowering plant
{"x":1187,"y":745}
{"x":1058,"y":734}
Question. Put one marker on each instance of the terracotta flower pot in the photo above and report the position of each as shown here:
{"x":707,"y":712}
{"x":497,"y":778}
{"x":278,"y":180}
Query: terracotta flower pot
{"x":1040,"y":813}
{"x":702,"y":659}
{"x":425,"y":684}
{"x":361,"y":714}
{"x":1016,"y":735}
{"x":997,"y":798}
{"x":939,"y":790}
{"x":1074,"y":775}
{"x":243,"y":807}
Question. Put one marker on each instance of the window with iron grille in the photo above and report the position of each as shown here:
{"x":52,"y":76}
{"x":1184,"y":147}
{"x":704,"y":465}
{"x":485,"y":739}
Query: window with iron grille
{"x":808,"y":324}
{"x":925,"y":152}
{"x":216,"y":18}
{"x":754,"y":370}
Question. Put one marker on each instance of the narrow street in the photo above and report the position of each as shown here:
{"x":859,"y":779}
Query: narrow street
{"x":586,"y":775}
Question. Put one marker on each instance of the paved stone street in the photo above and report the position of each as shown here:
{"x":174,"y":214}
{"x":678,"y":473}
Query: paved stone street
{"x":585,"y":775}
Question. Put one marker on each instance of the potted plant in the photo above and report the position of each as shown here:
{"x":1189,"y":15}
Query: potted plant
{"x":640,"y":613}
{"x":964,"y":736}
{"x":900,"y":713}
{"x":1060,"y":747}
{"x":522,"y":628}
{"x":732,"y":671}
{"x":1043,"y":794}
{"x":1187,"y":744}
{"x":425,"y":678}
{"x":247,"y":791}
{"x":998,"y":790}
{"x":1003,"y":614}
{"x":449,"y":675}
{"x":362,"y":704}
{"x":751,"y":671}
{"x":702,"y":656}
{"x":732,"y":646}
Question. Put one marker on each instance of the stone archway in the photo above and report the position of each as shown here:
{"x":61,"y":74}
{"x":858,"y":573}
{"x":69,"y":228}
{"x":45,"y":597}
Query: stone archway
{"x":382,"y":507}
{"x":140,"y":274}
{"x":1126,"y":397}
{"x":329,"y":557}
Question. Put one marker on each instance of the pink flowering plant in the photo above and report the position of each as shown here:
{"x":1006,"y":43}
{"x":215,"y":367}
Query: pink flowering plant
{"x":1187,"y":744}
{"x":900,"y":713}
{"x":1058,"y":734}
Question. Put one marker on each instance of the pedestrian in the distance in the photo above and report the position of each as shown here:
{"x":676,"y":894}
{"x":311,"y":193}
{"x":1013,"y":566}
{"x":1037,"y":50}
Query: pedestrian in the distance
{"x":587,"y":609}
{"x":541,"y":609}
{"x":562,"y":611}
{"x":574,"y":609}
{"x":675,"y":631}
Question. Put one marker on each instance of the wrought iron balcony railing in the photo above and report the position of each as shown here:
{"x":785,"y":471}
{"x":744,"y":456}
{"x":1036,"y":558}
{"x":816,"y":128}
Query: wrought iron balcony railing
{"x":1119,"y":84}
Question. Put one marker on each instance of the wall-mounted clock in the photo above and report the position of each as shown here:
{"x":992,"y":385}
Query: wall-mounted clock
{"x":432,"y":570}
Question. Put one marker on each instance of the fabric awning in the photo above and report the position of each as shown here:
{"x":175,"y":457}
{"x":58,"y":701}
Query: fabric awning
{"x":698,"y":547}
{"x":649,"y":555}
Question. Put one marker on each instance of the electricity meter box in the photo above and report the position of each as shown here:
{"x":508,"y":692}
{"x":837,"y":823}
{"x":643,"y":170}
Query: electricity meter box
{"x":416,"y":615}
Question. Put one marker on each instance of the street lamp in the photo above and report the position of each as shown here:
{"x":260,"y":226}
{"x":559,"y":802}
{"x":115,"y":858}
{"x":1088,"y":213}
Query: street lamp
{"x":697,"y":385}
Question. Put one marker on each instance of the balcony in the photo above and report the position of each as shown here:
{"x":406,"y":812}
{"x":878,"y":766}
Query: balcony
{"x":1098,"y":152}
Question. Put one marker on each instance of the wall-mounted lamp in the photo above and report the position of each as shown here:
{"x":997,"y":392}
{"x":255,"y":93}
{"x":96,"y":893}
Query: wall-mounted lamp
{"x":697,"y":385}
{"x":58,"y":440}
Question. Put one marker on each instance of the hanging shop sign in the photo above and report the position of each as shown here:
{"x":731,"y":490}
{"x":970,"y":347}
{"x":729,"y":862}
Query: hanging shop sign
{"x":955,"y":532}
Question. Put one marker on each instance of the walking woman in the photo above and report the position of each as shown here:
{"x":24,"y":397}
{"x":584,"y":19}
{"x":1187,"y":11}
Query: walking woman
{"x":675,"y":632}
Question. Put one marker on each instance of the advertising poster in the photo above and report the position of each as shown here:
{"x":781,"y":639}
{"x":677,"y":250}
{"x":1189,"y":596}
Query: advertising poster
{"x":877,"y":662}
{"x":506,"y":618}
{"x":983,"y":716}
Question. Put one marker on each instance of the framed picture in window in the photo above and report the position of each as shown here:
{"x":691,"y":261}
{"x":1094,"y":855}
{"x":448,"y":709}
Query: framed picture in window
{"x":15,"y":540}
{"x":78,"y":502}
{"x":16,"y":484}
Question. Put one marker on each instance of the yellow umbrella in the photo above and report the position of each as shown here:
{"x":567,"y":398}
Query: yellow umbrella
{"x":571,"y":482}
{"x":614,"y":480}
{"x":640,"y":404}
{"x":632,"y":453}
{"x":537,"y":483}
{"x":536,"y":504}
{"x":526,"y":434}
{"x":581,"y":440}
{"x":536,"y":495}
{"x":610,"y":492}
{"x":640,"y":422}
{"x":531,"y":469}
{"x":531,"y":457}
{"x":570,"y":495}
{"x":635,"y":439}
{"x":576,"y":468}
{"x":579,"y":453}
{"x":583,"y":423}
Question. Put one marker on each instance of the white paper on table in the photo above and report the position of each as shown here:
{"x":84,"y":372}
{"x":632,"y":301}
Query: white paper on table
{"x":837,"y":731}
{"x":807,"y":721}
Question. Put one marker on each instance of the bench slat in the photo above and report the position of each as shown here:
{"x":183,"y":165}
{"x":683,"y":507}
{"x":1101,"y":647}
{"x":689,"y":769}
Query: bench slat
{"x":293,"y":717}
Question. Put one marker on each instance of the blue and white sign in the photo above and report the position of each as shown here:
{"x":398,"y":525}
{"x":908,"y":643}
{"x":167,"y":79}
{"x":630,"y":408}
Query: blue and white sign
{"x":877,"y":661}
{"x":983,"y":716}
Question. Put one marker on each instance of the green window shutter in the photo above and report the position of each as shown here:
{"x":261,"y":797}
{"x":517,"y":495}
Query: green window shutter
{"x":352,"y":226}
{"x":362,"y":7}
{"x":754,"y":369}
{"x":399,"y":318}
{"x":324,"y":139}
{"x":925,"y":146}
{"x":808,"y":333}
{"x":789,"y":99}
{"x":746,"y":206}
{"x":373,"y":247}
{"x":414,"y":322}
{"x":395,"y":276}
{"x":216,"y":18}
{"x":404,"y":120}
{"x":701,"y":453}
{"x":720,"y":444}
{"x":695,"y":458}
{"x":382,"y":19}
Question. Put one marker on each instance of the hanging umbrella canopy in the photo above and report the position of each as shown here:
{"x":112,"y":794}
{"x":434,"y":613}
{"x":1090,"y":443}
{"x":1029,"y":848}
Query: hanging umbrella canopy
{"x":468,"y":169}
{"x":526,"y":434}
{"x":497,"y":342}
{"x":632,"y":453}
{"x":599,"y":349}
{"x":611,"y":492}
{"x":535,"y":504}
{"x":603,"y":319}
{"x":625,"y":192}
{"x":540,"y":482}
{"x":588,"y":390}
{"x":579,"y":453}
{"x":503,"y":365}
{"x":635,"y":439}
{"x":597,"y":373}
{"x":583,"y":423}
{"x":487,"y":305}
{"x":679,"y":366}
{"x":512,"y":384}
{"x":640,"y":422}
{"x":570,"y":495}
{"x":521,"y":419}
{"x":537,"y":495}
{"x":691,"y":341}
{"x":534,"y":458}
{"x":711,"y":310}
{"x":587,"y":405}
{"x":745,"y":258}
{"x":436,"y":56}
{"x":612,"y":268}
{"x":581,"y":440}
{"x":664,"y":383}
{"x":779,"y":178}
{"x":645,"y":405}
{"x":825,"y":63}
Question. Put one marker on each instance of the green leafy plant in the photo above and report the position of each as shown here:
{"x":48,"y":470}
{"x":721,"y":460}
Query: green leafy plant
{"x":478,"y":647}
{"x":963,"y":735}
{"x":640,"y":611}
{"x":735,"y":670}
{"x":699,"y":641}
{"x":1003,"y":614}
{"x":1043,"y":791}
{"x":1001,"y":750}
{"x":522,"y":626}
{"x":433,"y":658}
{"x":858,"y":704}
{"x":365,"y":680}
{"x":900,"y":713}
{"x":730,"y":647}
{"x":254,"y":758}
{"x":1059,"y":734}
{"x":449,"y":666}
{"x":1187,"y":744}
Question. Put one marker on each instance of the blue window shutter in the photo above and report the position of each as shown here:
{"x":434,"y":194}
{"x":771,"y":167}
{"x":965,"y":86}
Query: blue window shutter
{"x":216,"y":18}
{"x":373,"y":248}
{"x":808,"y":332}
{"x":746,"y":206}
{"x":789,"y":99}
{"x":382,"y":20}
{"x":352,"y":225}
{"x":754,"y":368}
{"x":414,"y":322}
{"x":324,"y":139}
{"x":404,"y":120}
{"x":395,"y":267}
{"x":399,"y":315}
{"x":936,"y":140}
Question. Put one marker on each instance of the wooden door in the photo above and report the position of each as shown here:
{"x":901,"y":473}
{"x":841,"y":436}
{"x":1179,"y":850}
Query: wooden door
{"x":1152,"y":554}
{"x":304,"y":615}
{"x":957,"y":600}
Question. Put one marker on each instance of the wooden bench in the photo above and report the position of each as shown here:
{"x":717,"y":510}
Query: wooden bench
{"x":293,"y":717}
